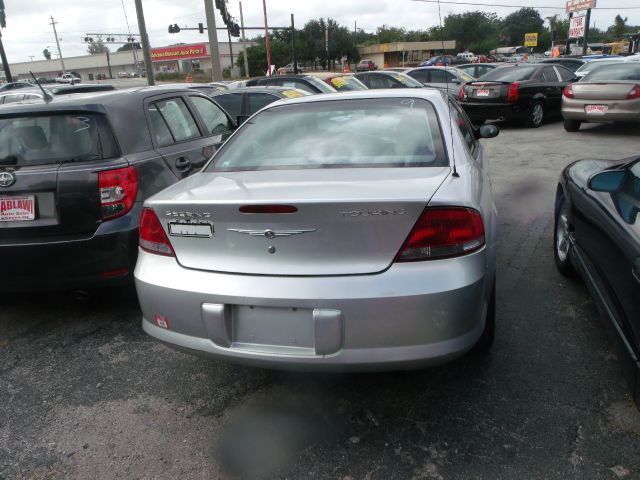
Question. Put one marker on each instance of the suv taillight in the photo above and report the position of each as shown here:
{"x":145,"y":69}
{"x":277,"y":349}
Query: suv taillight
{"x":512,"y":95}
{"x":568,"y":91}
{"x":118,"y":191}
{"x":443,"y":232}
{"x":153,"y":239}
{"x":634,"y":93}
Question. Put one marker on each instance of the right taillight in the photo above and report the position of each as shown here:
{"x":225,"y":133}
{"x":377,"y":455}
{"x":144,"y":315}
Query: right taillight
{"x":512,"y":94}
{"x":568,"y":91}
{"x":634,"y":93}
{"x":443,"y":232}
{"x":152,"y":236}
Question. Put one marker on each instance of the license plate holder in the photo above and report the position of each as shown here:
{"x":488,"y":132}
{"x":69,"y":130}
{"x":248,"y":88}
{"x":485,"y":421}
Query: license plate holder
{"x":190,"y":229}
{"x":596,"y":109}
{"x":17,"y":208}
{"x":273,"y":326}
{"x":483,"y":92}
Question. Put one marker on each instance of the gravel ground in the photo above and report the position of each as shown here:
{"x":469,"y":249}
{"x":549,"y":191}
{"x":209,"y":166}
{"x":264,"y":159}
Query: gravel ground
{"x":84,"y":393}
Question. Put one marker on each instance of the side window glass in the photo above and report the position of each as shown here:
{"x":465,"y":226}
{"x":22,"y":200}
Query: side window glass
{"x":259,"y":100}
{"x":159,"y":128}
{"x":420,"y":75}
{"x":465,"y":128}
{"x":549,"y":75}
{"x":437,"y":76}
{"x":13,"y":98}
{"x":231,"y":102}
{"x":565,"y":74}
{"x":297,"y":84}
{"x":178,"y":118}
{"x":212,"y":115}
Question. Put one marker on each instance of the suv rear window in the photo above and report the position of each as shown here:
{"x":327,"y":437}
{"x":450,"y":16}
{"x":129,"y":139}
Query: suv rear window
{"x":51,"y":139}
{"x":391,"y":132}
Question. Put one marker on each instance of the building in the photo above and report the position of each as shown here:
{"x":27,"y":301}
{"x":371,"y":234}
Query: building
{"x":175,"y":58}
{"x":405,"y":54}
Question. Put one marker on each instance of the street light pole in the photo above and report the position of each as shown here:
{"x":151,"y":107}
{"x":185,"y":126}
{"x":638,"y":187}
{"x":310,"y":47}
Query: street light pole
{"x":266,"y":36}
{"x":144,"y":40}
{"x":244,"y":44}
{"x":214,"y":51}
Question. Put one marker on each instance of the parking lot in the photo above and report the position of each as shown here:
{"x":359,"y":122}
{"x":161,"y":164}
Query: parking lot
{"x":87,"y":394}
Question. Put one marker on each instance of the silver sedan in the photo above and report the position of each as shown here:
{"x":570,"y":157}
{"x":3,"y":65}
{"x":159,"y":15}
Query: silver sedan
{"x":342,"y":231}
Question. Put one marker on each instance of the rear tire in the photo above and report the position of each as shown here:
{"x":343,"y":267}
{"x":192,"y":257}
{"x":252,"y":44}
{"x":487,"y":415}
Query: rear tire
{"x":572,"y":125}
{"x":561,"y":241}
{"x":488,"y":335}
{"x":536,"y":115}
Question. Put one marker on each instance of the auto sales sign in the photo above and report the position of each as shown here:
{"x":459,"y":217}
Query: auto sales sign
{"x":576,"y":27}
{"x":178,"y":53}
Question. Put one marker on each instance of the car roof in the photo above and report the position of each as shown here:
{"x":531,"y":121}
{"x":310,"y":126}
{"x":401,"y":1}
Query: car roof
{"x":325,"y":75}
{"x":273,"y":89}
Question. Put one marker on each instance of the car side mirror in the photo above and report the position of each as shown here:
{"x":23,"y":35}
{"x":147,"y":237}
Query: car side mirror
{"x":240,"y":119}
{"x":607,"y":181}
{"x":488,"y":130}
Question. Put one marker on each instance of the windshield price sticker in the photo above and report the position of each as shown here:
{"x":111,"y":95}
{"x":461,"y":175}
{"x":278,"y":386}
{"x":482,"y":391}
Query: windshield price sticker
{"x":17,"y":208}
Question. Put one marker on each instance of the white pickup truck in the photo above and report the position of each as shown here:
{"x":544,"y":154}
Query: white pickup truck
{"x":68,"y":78}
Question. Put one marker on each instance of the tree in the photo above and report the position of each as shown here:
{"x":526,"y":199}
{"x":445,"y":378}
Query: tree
{"x":46,"y":53}
{"x":515,"y":25}
{"x":129,"y":46}
{"x":472,"y":29}
{"x":97,"y":47}
{"x":619,"y":27}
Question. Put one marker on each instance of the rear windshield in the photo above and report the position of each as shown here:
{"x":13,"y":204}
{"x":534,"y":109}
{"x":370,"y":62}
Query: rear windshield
{"x":509,"y":74}
{"x":624,"y":71}
{"x":590,"y":66}
{"x":407,"y":81}
{"x":393,"y":132}
{"x":346,"y":83}
{"x":51,"y":139}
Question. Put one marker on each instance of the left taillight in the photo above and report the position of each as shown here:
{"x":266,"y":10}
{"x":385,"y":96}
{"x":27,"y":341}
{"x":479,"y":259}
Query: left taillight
{"x":443,"y":232}
{"x":153,"y":239}
{"x":118,"y":191}
{"x":568,"y":91}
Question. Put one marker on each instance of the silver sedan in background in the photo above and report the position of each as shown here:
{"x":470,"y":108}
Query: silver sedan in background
{"x":610,"y":93}
{"x":342,"y":231}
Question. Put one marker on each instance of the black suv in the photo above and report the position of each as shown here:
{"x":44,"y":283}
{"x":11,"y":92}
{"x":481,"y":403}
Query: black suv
{"x":74,"y":174}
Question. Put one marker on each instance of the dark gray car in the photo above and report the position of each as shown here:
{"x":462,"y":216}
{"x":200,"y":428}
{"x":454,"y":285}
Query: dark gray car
{"x":243,"y":102}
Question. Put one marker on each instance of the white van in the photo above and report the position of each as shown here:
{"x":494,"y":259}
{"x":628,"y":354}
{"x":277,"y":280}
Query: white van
{"x":466,"y":56}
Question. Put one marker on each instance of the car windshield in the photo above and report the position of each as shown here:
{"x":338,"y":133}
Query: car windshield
{"x":590,"y":66}
{"x":623,"y":71}
{"x":510,"y":74}
{"x":347,"y":82}
{"x":393,"y":132}
{"x":51,"y":139}
{"x":406,"y":80}
{"x":462,"y":75}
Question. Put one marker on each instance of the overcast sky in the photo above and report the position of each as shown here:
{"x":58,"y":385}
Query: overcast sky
{"x":28,"y":31}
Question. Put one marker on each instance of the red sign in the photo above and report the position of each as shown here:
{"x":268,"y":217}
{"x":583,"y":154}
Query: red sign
{"x":577,"y":5}
{"x":178,"y":53}
{"x":576,"y":27}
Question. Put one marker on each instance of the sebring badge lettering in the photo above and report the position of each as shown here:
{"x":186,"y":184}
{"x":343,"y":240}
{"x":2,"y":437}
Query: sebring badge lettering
{"x":197,"y":215}
{"x":374,"y":213}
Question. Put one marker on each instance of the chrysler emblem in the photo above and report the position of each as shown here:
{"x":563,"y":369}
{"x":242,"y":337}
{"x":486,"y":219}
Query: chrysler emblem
{"x":7,"y":179}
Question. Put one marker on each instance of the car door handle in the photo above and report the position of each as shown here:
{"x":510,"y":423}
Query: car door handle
{"x":183,"y":163}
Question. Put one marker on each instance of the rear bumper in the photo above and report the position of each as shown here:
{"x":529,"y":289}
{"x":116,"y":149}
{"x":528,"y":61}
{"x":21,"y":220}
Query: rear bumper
{"x":480,"y":112}
{"x":617,"y":111}
{"x":413,"y":314}
{"x":105,"y":259}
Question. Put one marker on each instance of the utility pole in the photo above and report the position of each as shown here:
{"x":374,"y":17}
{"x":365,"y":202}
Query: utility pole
{"x":293,"y":45}
{"x":244,"y":44}
{"x":133,"y":44}
{"x":3,"y":55}
{"x":585,"y":45}
{"x":53,"y":24}
{"x":144,"y":40}
{"x":230,"y":49}
{"x":326,"y":43}
{"x":266,"y":36}
{"x":214,"y":51}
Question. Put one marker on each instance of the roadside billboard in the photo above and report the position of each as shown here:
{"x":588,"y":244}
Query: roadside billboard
{"x":577,"y":5}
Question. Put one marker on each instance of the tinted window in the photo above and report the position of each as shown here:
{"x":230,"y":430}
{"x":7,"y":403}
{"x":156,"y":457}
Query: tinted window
{"x":212,"y":115}
{"x":12,"y":98}
{"x":481,"y":70}
{"x":470,"y":70}
{"x":420,"y":75}
{"x":510,"y":74}
{"x":298,"y":84}
{"x":549,"y":75}
{"x":231,"y":102}
{"x":50,"y":139}
{"x":590,"y":66}
{"x":159,"y":128}
{"x":465,"y":128}
{"x":614,"y":72}
{"x":178,"y":118}
{"x":382,"y":81}
{"x":402,"y":132}
{"x":566,"y":74}
{"x":259,"y":100}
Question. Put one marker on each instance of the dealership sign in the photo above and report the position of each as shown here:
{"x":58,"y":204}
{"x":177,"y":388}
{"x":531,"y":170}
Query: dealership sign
{"x":576,"y":26}
{"x":530,"y":39}
{"x":577,"y":5}
{"x":178,"y":53}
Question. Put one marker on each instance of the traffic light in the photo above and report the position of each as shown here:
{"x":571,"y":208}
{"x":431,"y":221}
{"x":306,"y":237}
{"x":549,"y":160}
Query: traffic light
{"x":174,"y":28}
{"x":234,"y":30}
{"x":201,"y":28}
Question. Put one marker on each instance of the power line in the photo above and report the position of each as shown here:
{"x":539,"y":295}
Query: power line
{"x":478,"y":4}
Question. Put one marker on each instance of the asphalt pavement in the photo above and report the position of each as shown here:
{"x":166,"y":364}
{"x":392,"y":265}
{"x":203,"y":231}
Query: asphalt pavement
{"x":84,"y":393}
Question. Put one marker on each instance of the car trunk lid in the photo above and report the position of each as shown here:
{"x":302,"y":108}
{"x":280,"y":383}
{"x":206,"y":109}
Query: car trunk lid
{"x":487,"y":92}
{"x":602,"y":90}
{"x":346,"y":221}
